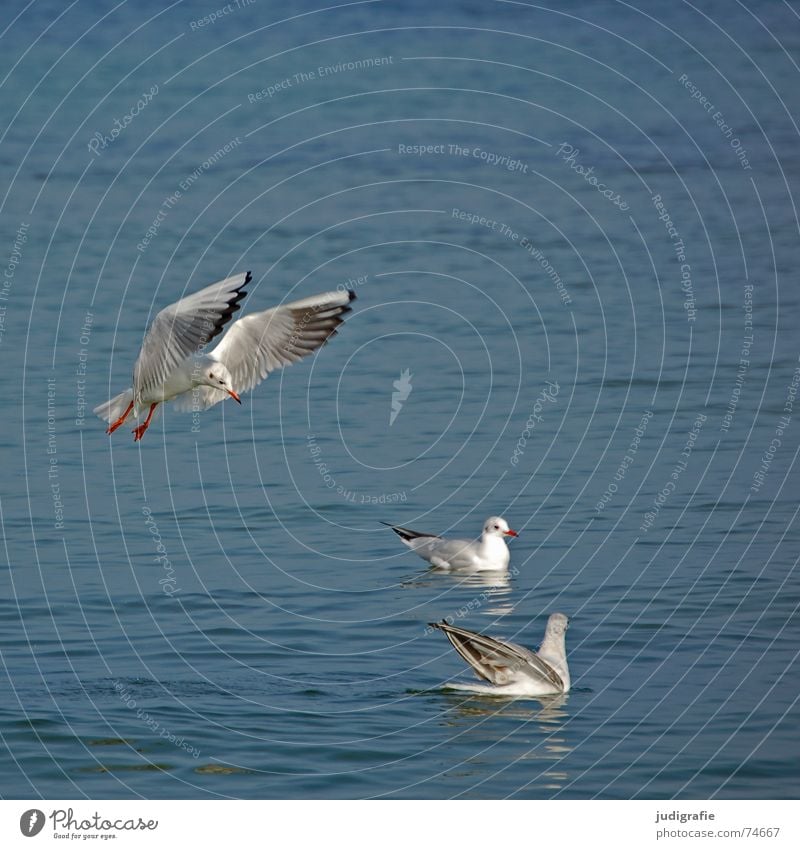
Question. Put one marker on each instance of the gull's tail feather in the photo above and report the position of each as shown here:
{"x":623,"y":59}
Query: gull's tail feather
{"x":406,"y":534}
{"x":111,"y":410}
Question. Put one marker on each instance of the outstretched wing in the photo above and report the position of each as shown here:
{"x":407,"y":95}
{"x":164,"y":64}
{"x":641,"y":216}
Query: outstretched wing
{"x":262,"y":342}
{"x":497,"y":661}
{"x":184,"y":327}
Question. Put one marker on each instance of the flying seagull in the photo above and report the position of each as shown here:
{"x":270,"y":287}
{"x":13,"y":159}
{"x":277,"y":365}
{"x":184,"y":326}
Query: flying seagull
{"x":171,"y":366}
{"x":490,"y":552}
{"x":513,"y":670}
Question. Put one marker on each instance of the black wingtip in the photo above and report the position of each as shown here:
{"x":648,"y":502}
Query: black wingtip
{"x":352,"y":295}
{"x":234,"y":304}
{"x":398,"y":530}
{"x":407,"y":534}
{"x":240,"y":290}
{"x":395,"y":528}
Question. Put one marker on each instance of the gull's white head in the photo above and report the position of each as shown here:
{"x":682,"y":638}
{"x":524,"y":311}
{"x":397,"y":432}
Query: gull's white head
{"x":494,"y":526}
{"x":213,"y":373}
{"x":557,"y":623}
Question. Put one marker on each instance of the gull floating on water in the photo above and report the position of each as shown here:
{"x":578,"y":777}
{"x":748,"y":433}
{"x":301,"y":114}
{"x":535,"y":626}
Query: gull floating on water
{"x":490,"y":552}
{"x":170,"y":366}
{"x":514,"y":670}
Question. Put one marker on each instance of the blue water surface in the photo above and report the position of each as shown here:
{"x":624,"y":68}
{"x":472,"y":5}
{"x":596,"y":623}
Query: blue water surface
{"x":574,"y":230}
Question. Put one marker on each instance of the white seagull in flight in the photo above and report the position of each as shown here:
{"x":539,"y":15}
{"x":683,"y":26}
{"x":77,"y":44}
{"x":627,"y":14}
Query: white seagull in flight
{"x":513,"y":670}
{"x":170,"y":365}
{"x":488,"y":553}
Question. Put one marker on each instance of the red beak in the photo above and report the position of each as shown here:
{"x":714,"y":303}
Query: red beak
{"x":234,"y":396}
{"x":510,"y":533}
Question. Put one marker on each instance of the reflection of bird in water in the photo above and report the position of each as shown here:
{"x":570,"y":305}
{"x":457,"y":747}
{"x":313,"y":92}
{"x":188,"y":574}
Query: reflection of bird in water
{"x":514,"y":670}
{"x":494,"y":580}
{"x":497,"y":584}
{"x":550,"y":711}
{"x":539,"y":733}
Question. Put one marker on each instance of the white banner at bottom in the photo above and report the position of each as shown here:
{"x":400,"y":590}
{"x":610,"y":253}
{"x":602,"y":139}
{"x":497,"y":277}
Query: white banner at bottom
{"x":400,"y":824}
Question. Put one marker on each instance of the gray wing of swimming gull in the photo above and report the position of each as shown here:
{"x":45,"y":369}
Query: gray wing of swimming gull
{"x":495,"y":660}
{"x":183,"y":328}
{"x":262,"y":342}
{"x":457,"y":552}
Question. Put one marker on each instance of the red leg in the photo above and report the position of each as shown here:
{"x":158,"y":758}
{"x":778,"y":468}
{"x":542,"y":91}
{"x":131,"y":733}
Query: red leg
{"x":138,"y":432}
{"x":121,"y":419}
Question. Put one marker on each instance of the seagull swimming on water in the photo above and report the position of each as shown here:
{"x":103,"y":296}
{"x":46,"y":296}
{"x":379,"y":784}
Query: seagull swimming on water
{"x":488,"y":553}
{"x":513,"y":670}
{"x":171,"y":367}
